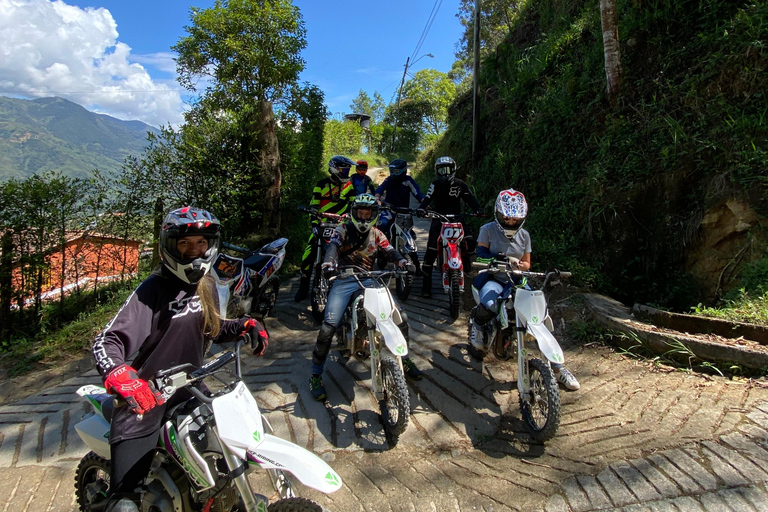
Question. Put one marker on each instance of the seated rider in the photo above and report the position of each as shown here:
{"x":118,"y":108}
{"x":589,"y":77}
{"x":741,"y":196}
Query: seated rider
{"x":505,"y":239}
{"x":396,"y":190}
{"x":356,"y":242}
{"x":360,"y":180}
{"x":331,"y":195}
{"x":446,"y":191}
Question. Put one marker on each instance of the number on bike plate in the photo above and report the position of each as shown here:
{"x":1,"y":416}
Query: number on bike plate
{"x":328,"y":232}
{"x":452,"y":233}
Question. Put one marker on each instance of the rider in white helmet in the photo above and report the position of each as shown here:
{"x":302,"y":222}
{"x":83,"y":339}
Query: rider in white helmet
{"x":505,"y":239}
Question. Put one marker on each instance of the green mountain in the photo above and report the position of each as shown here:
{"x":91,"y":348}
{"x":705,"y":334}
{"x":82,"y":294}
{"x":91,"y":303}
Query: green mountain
{"x":53,"y":134}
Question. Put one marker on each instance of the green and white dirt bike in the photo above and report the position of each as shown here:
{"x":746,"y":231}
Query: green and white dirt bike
{"x":203,"y":448}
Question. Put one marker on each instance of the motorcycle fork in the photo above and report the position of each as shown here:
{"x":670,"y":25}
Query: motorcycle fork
{"x":239,"y":467}
{"x":523,"y":378}
{"x":376,"y":385}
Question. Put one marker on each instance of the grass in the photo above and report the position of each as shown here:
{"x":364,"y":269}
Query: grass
{"x":746,"y":307}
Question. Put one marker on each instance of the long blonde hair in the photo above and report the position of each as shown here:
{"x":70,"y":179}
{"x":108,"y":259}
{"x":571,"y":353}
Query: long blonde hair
{"x":211,"y":317}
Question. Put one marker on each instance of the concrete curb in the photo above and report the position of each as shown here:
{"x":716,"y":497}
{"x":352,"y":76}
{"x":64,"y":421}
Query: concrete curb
{"x":614,"y":315}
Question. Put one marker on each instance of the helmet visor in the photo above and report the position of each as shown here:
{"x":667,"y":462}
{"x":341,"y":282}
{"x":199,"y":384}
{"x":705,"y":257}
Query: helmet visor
{"x":444,"y":171}
{"x":344,"y":171}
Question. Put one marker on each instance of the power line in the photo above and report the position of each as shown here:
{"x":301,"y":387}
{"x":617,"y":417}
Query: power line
{"x":427,"y":27}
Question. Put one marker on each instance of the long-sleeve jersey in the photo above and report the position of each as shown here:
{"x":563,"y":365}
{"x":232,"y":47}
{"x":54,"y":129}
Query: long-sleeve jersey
{"x":447,"y":197}
{"x":331,"y":197}
{"x":350,"y":247}
{"x":362,"y":184}
{"x":162,"y":323}
{"x":397,"y":191}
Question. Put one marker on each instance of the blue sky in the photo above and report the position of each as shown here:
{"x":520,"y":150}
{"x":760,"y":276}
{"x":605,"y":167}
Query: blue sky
{"x":114,"y":57}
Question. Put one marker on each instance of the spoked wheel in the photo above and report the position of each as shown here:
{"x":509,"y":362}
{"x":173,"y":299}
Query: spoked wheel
{"x":295,"y":505}
{"x":403,"y":282}
{"x":91,"y":481}
{"x":268,"y":297}
{"x":541,"y":411}
{"x":454,"y":294}
{"x":395,"y":408}
{"x":319,"y":295}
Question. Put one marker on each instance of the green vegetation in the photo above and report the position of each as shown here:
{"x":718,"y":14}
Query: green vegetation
{"x":617,"y":193}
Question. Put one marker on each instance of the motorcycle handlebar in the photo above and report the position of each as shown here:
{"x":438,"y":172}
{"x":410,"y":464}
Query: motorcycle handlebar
{"x":432,"y":214}
{"x":322,"y":215}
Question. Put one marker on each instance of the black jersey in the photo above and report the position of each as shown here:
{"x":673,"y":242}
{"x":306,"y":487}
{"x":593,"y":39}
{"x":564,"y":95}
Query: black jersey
{"x":162,"y":323}
{"x":446,"y":197}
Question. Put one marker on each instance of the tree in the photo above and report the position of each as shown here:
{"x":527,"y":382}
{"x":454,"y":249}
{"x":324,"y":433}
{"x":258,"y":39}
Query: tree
{"x":435,"y":90}
{"x":250,"y":49}
{"x":363,"y":104}
{"x":611,"y":49}
{"x":495,"y":23}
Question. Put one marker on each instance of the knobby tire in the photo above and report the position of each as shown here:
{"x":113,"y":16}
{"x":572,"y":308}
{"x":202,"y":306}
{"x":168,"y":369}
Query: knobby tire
{"x":454,"y":294}
{"x":319,"y":299}
{"x":542,"y":417}
{"x":294,"y":505}
{"x":91,"y":470}
{"x":395,"y":408}
{"x":403,"y":282}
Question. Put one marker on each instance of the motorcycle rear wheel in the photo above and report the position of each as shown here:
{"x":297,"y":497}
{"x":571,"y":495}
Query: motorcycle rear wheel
{"x":294,"y":505}
{"x":396,"y":407}
{"x":319,"y":297}
{"x":267,"y":298}
{"x":91,"y":480}
{"x":404,"y":282}
{"x":454,"y":293}
{"x":541,"y":413}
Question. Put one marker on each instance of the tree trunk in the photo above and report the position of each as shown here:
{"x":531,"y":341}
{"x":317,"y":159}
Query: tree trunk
{"x":6,"y":280}
{"x":612,"y":51}
{"x":269,"y":178}
{"x":156,"y":226}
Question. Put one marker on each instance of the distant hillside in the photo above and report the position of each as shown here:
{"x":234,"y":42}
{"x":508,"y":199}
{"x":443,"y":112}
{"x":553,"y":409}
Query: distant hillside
{"x":55,"y":134}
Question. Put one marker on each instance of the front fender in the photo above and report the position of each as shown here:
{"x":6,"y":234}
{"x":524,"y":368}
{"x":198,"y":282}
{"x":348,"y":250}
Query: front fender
{"x":312,"y":471}
{"x":548,"y":345}
{"x":393,"y":337}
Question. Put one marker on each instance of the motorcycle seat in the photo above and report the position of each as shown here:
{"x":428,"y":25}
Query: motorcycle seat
{"x":274,"y":247}
{"x":107,"y":405}
{"x":257,"y":261}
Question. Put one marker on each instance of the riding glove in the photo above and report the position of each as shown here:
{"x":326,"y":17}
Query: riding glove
{"x":140,"y":394}
{"x":259,"y":336}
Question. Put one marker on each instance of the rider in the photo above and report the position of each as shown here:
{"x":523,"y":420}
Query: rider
{"x":356,"y":242}
{"x":170,"y":319}
{"x":360,"y":180}
{"x":396,"y":190}
{"x":505,"y":239}
{"x":445,"y":190}
{"x":331,"y":195}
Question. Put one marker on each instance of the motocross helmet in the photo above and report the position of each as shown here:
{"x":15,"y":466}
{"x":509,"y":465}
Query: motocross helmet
{"x":361,"y":167}
{"x":364,"y":212}
{"x":338,"y":168}
{"x":398,"y":167}
{"x":188,"y":221}
{"x":445,"y":168}
{"x":511,"y":210}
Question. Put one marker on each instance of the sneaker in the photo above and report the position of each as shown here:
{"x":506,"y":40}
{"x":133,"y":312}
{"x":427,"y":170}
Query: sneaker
{"x":567,"y":379}
{"x":410,"y":369}
{"x":316,"y":387}
{"x":476,"y":335}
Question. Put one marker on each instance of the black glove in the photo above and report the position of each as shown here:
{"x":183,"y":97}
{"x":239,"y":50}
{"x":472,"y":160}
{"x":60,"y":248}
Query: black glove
{"x":328,"y":269}
{"x":411,"y":268}
{"x":421,"y":212}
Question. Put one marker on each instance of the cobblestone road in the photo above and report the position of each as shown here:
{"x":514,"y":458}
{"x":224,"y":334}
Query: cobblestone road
{"x":636,"y":437}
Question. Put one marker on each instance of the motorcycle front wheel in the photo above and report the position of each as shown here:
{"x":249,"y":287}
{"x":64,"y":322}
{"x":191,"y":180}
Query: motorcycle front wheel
{"x":294,"y":505}
{"x":541,"y":410}
{"x":91,"y":481}
{"x":454,"y":293}
{"x":403,"y":282}
{"x":319,"y":295}
{"x":396,"y":407}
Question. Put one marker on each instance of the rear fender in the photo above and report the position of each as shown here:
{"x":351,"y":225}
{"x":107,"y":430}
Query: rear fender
{"x":94,"y":431}
{"x":312,"y":471}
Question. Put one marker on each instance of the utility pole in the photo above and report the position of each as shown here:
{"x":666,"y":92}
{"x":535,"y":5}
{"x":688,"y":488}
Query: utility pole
{"x":397,"y":109}
{"x":476,"y":72}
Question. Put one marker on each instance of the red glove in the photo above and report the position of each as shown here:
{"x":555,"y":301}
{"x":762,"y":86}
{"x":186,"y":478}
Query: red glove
{"x":259,"y":337}
{"x":140,"y":394}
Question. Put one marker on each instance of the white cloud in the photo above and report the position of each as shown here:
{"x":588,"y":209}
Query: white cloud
{"x":49,"y":48}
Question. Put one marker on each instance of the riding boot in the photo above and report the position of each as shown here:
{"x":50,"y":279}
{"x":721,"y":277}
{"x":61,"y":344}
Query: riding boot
{"x":303,"y":291}
{"x":426,"y":284}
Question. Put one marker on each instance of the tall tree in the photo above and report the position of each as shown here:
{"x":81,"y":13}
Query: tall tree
{"x":250,"y":52}
{"x":611,"y":49}
{"x":495,"y":22}
{"x":437,"y":91}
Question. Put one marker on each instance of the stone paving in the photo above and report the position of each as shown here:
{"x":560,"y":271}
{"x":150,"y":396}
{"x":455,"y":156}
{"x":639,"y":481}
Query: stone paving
{"x":636,"y":437}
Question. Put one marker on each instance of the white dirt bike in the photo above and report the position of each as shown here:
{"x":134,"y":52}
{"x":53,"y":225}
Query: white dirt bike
{"x":369,"y":329}
{"x":536,"y":385}
{"x":204,"y":446}
{"x":400,"y":235}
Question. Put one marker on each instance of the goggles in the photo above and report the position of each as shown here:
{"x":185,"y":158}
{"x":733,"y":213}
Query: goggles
{"x":444,"y":171}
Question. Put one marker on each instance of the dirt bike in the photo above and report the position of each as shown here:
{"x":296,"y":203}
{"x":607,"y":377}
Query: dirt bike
{"x":248,"y":285}
{"x":450,"y":257}
{"x":536,"y":385}
{"x":401,"y":239}
{"x":322,"y":232}
{"x":202,"y":449}
{"x":369,"y":329}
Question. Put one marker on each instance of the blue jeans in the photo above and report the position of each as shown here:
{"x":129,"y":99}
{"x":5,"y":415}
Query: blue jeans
{"x":341,"y":293}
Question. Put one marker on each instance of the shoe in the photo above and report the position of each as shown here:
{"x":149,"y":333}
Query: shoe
{"x":567,"y":379}
{"x":409,"y":367}
{"x":476,"y":335}
{"x":303,"y":289}
{"x":316,"y":387}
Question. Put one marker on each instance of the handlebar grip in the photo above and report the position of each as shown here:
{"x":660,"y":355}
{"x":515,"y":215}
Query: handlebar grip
{"x":214,"y":365}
